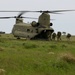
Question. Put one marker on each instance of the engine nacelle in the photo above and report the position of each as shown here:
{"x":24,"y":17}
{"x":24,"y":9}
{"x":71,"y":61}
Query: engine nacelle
{"x":51,"y":24}
{"x":34,"y":23}
{"x":19,"y":20}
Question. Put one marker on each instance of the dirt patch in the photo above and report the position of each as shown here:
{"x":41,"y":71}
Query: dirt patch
{"x":67,"y":56}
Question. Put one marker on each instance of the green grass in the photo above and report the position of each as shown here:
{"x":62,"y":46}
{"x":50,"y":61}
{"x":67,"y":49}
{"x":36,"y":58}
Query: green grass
{"x":34,"y":57}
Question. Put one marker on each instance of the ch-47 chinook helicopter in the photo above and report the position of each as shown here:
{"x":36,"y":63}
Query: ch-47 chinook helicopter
{"x":41,"y":29}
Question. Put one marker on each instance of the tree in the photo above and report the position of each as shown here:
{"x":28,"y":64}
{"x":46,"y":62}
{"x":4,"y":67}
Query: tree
{"x":64,"y":33}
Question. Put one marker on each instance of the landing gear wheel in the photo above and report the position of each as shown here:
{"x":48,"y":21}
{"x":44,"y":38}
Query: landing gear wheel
{"x":18,"y":37}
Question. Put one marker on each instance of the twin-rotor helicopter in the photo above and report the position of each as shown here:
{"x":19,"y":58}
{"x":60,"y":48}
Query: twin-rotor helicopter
{"x":34,"y":30}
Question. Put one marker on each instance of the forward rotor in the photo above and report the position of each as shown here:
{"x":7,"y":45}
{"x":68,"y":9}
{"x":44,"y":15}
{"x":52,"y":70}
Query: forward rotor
{"x":22,"y":12}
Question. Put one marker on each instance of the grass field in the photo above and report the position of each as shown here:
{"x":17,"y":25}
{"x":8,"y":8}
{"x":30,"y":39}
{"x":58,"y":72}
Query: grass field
{"x":36,"y":57}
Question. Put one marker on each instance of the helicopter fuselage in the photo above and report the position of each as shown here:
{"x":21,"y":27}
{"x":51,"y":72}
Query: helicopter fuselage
{"x":41,"y":29}
{"x":28,"y":31}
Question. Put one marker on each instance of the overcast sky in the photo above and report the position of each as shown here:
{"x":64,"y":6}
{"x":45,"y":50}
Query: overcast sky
{"x":63,"y":22}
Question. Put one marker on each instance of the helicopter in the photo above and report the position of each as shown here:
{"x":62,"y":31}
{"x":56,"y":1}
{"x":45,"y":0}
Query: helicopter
{"x":34,"y":30}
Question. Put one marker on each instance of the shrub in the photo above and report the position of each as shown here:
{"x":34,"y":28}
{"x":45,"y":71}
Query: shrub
{"x":53,"y":46}
{"x":29,"y":46}
{"x":68,"y":57}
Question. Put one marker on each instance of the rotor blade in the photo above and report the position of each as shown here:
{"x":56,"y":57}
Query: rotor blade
{"x":36,"y":11}
{"x":17,"y":17}
{"x":20,"y":14}
{"x":29,"y":17}
{"x":12,"y":11}
{"x":55,"y":11}
{"x":7,"y":17}
{"x":60,"y":11}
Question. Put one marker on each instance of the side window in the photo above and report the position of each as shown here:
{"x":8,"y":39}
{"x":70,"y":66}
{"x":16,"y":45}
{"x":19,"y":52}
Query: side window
{"x":28,"y":30}
{"x":36,"y":30}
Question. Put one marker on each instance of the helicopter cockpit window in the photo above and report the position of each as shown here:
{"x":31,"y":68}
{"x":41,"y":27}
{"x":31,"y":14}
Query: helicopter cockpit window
{"x":28,"y":30}
{"x":36,"y":30}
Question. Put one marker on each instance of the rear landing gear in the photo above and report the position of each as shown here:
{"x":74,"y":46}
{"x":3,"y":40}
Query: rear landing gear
{"x":44,"y":35}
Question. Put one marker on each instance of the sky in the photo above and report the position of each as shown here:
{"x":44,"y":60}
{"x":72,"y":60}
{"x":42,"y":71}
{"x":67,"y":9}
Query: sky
{"x":64,"y":22}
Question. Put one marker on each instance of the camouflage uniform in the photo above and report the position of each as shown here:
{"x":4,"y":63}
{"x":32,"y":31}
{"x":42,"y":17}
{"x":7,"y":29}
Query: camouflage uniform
{"x":68,"y":36}
{"x":53,"y":36}
{"x":58,"y":35}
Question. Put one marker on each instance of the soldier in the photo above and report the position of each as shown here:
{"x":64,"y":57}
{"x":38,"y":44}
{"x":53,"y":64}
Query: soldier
{"x":68,"y":36}
{"x":58,"y":35}
{"x":53,"y":36}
